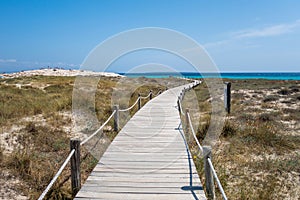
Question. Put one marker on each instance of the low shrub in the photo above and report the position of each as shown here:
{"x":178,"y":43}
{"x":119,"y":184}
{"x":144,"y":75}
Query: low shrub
{"x":1,"y":154}
{"x":20,"y":161}
{"x":270,"y":98}
{"x":229,"y":129}
{"x":284,"y":92}
{"x":265,"y":117}
{"x":245,"y":117}
{"x":202,"y":130}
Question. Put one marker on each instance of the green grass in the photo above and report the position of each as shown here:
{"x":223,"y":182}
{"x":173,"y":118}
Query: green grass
{"x":17,"y":103}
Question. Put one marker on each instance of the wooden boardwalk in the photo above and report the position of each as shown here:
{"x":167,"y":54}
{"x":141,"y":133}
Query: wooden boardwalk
{"x":148,"y":159}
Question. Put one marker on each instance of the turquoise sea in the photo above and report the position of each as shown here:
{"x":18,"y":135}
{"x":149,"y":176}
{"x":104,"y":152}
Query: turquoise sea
{"x":230,"y":75}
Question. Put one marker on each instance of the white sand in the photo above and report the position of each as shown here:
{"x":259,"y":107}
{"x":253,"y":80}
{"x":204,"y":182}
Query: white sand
{"x":58,"y":72}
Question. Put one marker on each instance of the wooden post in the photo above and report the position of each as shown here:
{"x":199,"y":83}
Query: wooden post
{"x":227,"y":96}
{"x":178,"y":105}
{"x":75,"y":166}
{"x":139,"y":102}
{"x":116,"y":117}
{"x":187,"y":125}
{"x":209,"y":179}
{"x":150,"y":94}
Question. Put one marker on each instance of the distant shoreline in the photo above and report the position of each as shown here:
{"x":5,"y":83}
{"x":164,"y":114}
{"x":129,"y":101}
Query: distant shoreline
{"x":57,"y":72}
{"x":224,"y":75}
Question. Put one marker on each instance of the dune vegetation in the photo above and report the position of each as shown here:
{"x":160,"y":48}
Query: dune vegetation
{"x":256,"y":157}
{"x":36,"y":127}
{"x":258,"y":154}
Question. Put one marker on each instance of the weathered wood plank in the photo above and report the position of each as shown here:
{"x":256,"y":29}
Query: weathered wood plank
{"x":148,"y":159}
{"x":138,"y":196}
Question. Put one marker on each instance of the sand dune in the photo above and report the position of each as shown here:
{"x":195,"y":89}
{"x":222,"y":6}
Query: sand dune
{"x":58,"y":72}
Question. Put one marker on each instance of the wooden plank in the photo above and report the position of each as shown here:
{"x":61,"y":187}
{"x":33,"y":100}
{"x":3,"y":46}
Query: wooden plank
{"x":138,"y":196}
{"x":140,"y":190}
{"x":141,"y":180}
{"x":148,"y":159}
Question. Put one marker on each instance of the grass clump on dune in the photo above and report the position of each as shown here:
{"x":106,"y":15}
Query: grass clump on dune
{"x":36,"y":111}
{"x":257,"y":155}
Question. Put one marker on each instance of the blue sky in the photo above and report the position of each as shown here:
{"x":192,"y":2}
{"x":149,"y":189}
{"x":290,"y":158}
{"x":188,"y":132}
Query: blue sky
{"x":252,"y":35}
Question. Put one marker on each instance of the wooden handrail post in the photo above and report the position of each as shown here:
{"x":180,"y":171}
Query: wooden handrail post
{"x":178,"y":105}
{"x":187,"y":123}
{"x":116,"y":117}
{"x":209,"y":179}
{"x":75,"y":166}
{"x":150,"y":94}
{"x":139,"y":102}
{"x":227,"y":96}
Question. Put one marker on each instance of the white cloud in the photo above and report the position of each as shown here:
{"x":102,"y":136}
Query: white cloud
{"x":217,"y":43}
{"x":268,"y":31}
{"x":8,"y":60}
{"x":35,"y":64}
{"x":275,"y":30}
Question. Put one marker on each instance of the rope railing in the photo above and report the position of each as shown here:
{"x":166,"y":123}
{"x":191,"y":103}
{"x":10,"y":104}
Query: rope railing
{"x":70,"y":156}
{"x":99,"y":129}
{"x":158,"y":93}
{"x":181,"y":96}
{"x":180,"y":107}
{"x":217,"y":179}
{"x":209,"y":169}
{"x":127,"y":109}
{"x":146,"y":97}
{"x":193,"y":132}
{"x":74,"y":154}
{"x":137,"y":101}
{"x":57,"y":175}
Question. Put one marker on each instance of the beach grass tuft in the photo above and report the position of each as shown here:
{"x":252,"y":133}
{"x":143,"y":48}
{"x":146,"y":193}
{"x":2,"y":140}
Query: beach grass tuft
{"x":257,"y":156}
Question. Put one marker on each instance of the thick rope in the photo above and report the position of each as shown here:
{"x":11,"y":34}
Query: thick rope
{"x":146,"y":96}
{"x":57,"y":175}
{"x":193,"y":131}
{"x":123,"y":110}
{"x":159,"y":91}
{"x":105,"y":123}
{"x":181,"y":108}
{"x":99,"y":129}
{"x":217,"y":179}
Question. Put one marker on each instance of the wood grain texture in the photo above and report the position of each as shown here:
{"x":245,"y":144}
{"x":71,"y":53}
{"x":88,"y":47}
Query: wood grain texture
{"x":149,"y":158}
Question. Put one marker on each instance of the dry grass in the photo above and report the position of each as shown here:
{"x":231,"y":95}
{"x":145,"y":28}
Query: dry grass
{"x":257,"y":156}
{"x":34,"y":115}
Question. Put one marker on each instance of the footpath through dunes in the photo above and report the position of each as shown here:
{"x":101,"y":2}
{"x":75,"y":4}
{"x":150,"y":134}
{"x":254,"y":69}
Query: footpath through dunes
{"x":149,"y":158}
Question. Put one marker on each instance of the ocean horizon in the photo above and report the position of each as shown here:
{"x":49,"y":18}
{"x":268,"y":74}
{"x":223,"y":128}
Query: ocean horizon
{"x":226,"y":75}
